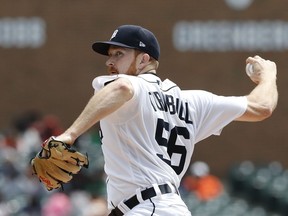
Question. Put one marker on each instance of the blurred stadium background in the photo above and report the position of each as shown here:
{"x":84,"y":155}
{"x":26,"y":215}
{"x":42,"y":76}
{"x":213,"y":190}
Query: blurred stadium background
{"x":47,"y":67}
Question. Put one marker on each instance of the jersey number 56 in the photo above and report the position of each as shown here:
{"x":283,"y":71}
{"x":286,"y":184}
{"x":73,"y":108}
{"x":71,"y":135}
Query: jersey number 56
{"x":170,"y":143}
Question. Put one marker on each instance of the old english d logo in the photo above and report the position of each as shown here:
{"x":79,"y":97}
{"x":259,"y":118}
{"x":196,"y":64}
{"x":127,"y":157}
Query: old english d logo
{"x":114,"y":34}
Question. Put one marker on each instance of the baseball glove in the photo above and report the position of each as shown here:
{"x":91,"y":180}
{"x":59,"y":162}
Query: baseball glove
{"x":56,"y":163}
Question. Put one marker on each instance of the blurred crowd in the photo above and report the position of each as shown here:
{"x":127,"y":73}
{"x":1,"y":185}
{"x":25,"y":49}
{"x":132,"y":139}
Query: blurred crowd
{"x":21,"y":193}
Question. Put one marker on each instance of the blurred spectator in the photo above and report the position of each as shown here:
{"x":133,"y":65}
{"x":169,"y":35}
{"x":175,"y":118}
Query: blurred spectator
{"x":8,"y":139}
{"x":87,"y":205}
{"x":58,"y":204}
{"x":32,"y":129}
{"x":205,"y":185}
{"x":48,"y":126}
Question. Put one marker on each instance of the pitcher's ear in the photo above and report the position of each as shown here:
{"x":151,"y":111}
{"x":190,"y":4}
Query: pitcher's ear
{"x":145,"y":58}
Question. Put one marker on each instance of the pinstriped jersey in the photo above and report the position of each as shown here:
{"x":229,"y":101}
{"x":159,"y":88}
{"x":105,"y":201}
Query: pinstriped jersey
{"x":151,"y":138}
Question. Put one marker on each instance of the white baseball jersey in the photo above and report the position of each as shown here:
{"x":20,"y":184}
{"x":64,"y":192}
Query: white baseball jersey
{"x":150,"y":139}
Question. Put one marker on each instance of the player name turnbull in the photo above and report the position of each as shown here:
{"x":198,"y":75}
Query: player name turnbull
{"x":168,"y":103}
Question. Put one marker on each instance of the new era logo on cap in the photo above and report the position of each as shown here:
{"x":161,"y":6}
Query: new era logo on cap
{"x":131,"y":36}
{"x":141,"y":44}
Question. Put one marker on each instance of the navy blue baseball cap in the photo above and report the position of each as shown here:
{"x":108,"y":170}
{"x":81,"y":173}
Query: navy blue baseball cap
{"x":130,"y":36}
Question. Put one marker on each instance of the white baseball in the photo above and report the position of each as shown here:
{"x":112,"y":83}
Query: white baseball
{"x":249,"y":69}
